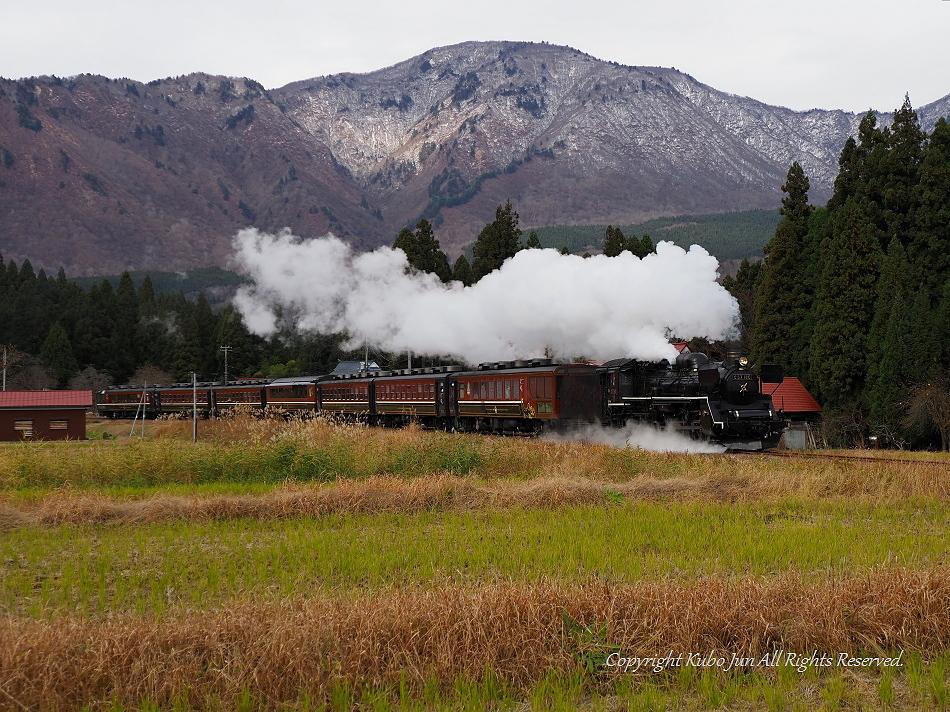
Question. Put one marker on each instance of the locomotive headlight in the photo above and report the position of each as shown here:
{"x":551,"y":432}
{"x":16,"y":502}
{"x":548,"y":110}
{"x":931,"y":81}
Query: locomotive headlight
{"x":743,"y":361}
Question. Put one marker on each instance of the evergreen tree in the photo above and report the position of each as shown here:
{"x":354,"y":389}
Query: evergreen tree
{"x":146,"y":293}
{"x":93,"y":338}
{"x":197,"y":350}
{"x":125,"y":344}
{"x":641,"y":247}
{"x":942,"y":326}
{"x":462,"y":271}
{"x":497,"y":241}
{"x":406,"y":241}
{"x":56,"y":355}
{"x":781,"y":301}
{"x":533,"y":242}
{"x":905,"y":151}
{"x":844,"y":303}
{"x":744,"y":287}
{"x":27,"y":327}
{"x":859,"y":165}
{"x":614,"y":241}
{"x":929,"y":249}
{"x":423,"y":251}
{"x":897,"y":356}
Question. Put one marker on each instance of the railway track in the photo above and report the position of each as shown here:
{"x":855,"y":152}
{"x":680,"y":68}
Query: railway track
{"x":847,"y":457}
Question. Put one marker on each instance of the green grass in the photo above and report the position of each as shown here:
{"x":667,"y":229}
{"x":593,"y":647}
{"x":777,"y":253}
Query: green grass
{"x":155,"y":568}
{"x":153,"y":464}
{"x":923,"y":686}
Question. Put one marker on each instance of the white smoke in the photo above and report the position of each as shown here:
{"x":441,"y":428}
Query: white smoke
{"x":599,"y":308}
{"x":637,"y":436}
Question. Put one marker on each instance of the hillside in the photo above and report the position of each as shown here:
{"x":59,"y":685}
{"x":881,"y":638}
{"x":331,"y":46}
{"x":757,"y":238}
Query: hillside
{"x":100,"y":175}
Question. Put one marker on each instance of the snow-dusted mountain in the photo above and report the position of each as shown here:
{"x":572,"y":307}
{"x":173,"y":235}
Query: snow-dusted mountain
{"x":120,"y":174}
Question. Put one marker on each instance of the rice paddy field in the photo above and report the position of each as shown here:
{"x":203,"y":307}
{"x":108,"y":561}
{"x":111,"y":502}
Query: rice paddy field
{"x":311,"y":565}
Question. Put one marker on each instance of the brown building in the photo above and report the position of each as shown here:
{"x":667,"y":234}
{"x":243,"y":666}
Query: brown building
{"x":43,"y":415}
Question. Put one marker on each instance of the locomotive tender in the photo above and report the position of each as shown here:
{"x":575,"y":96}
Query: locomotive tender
{"x":720,"y":402}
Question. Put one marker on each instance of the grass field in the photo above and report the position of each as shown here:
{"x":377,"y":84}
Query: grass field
{"x":311,"y":565}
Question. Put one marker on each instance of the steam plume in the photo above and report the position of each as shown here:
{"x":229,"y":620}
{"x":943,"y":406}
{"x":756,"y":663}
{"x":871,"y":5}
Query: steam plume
{"x":600,"y":308}
{"x":636,"y":436}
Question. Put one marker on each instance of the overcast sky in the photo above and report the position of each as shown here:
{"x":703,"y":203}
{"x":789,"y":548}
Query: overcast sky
{"x":802,"y":54}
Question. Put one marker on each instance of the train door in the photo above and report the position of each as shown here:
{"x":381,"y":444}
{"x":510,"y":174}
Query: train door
{"x":441,"y":404}
{"x":451,"y":397}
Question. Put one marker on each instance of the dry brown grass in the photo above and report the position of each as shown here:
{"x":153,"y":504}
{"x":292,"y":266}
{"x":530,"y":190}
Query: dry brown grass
{"x":371,"y":496}
{"x":250,"y":450}
{"x":284,"y":651}
{"x":724,"y":479}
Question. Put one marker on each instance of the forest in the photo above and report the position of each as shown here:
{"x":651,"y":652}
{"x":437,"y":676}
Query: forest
{"x":854,"y":297}
{"x":58,"y":333}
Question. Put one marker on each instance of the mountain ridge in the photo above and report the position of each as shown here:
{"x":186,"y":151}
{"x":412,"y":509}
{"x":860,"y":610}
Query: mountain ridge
{"x":124,"y":175}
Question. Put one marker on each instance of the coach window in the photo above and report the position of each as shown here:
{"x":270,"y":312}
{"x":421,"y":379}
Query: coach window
{"x":507,"y":389}
{"x":542,"y":386}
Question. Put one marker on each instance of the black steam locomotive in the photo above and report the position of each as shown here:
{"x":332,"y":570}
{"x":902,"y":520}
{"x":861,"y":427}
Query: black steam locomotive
{"x":719,"y":402}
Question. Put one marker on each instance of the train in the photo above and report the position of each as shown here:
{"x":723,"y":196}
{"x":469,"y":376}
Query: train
{"x":721,"y":402}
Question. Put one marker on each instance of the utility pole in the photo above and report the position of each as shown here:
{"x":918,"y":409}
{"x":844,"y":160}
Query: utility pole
{"x":225,"y":349}
{"x":194,"y":407}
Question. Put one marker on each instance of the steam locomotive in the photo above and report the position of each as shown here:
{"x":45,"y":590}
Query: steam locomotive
{"x":720,"y":402}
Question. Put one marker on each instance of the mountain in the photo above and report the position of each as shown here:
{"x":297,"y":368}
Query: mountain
{"x":100,"y":175}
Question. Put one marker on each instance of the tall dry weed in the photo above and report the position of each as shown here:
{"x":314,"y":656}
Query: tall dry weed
{"x":282,"y":652}
{"x":445,"y":491}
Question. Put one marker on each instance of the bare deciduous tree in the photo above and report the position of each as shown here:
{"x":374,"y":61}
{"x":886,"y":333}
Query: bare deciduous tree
{"x":928,"y":408}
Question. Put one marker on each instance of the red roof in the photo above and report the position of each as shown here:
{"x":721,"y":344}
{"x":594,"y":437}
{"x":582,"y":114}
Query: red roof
{"x":791,"y":396}
{"x":45,"y":399}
